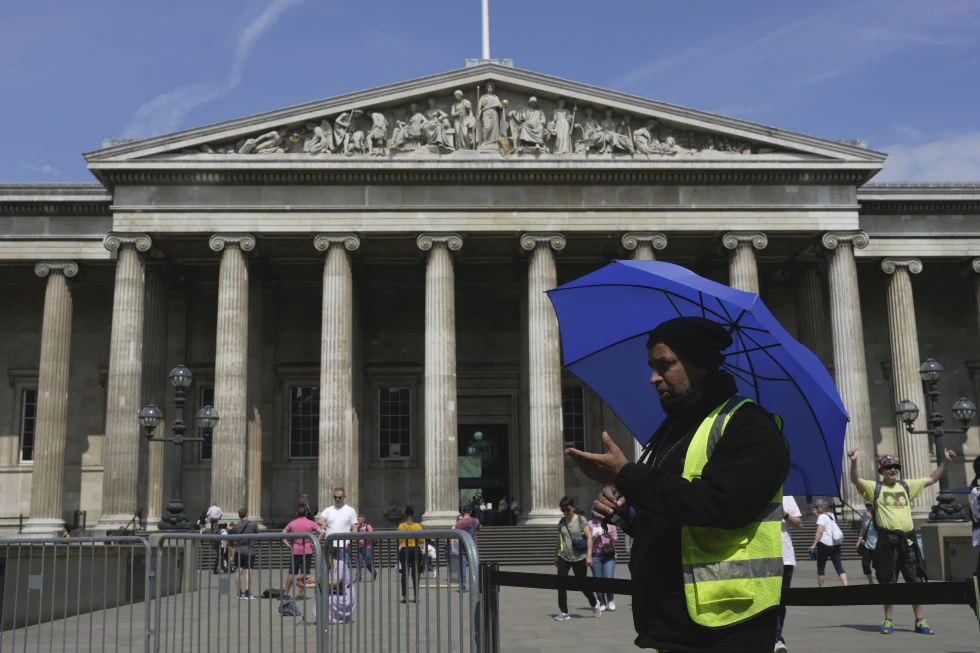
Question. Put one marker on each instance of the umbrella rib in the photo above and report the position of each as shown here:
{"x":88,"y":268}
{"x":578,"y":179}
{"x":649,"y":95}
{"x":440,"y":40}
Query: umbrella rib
{"x":721,"y":317}
{"x":759,"y":348}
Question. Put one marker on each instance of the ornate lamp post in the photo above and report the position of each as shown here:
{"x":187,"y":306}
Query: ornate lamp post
{"x":963,"y":410}
{"x":207,"y":417}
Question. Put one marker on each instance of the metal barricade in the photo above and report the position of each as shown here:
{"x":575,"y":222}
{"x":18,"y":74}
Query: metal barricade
{"x":75,"y":594}
{"x":408,"y":601}
{"x":257,"y":592}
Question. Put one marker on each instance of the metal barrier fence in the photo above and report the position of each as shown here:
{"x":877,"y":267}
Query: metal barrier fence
{"x":75,"y":594}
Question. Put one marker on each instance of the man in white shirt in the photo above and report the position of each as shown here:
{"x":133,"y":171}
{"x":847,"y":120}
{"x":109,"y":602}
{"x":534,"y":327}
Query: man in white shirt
{"x":214,"y":516}
{"x":792,"y":520}
{"x":340,"y":518}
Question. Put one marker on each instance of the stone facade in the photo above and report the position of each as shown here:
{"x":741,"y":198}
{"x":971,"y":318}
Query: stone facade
{"x":365,"y":309}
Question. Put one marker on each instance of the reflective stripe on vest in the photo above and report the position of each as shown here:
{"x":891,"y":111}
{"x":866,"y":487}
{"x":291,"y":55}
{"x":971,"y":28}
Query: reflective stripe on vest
{"x":730,"y":575}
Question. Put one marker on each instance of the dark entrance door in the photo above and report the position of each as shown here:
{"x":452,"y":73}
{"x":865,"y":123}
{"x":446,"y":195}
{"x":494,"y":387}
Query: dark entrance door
{"x":483,"y":462}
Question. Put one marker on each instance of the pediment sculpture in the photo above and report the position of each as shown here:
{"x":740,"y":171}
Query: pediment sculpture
{"x":485,"y":123}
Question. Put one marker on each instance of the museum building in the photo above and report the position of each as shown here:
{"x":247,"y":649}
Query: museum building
{"x":358,"y":287}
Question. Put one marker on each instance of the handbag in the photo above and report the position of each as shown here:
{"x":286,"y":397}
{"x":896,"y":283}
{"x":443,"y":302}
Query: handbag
{"x":578,"y":543}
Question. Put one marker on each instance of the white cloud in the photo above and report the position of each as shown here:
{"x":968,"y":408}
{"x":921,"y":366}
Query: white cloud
{"x":908,"y":130}
{"x":44,"y":170}
{"x":165,"y":112}
{"x":956,"y":158}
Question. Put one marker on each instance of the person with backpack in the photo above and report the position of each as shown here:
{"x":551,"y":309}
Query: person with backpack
{"x":244,"y":554}
{"x":867,"y":540}
{"x":472,"y":526}
{"x":897,"y":550}
{"x":827,"y":542}
{"x":604,"y":537}
{"x":574,"y":547}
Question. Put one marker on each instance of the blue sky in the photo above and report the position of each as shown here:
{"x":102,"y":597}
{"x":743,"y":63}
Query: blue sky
{"x":902,"y":74}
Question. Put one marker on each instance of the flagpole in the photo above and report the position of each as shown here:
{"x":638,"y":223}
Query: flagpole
{"x":486,"y":29}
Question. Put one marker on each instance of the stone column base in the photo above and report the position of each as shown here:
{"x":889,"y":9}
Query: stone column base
{"x":542,"y":518}
{"x":113,"y":523}
{"x":43,"y":528}
{"x":440,"y":519}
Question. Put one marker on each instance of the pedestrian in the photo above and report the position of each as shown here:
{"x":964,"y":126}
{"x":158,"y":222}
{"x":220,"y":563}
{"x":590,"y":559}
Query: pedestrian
{"x":515,"y":511}
{"x":365,"y":549}
{"x":470,"y":525}
{"x":792,"y":520}
{"x":897,"y":549}
{"x":975,"y":507}
{"x":603,"y":561}
{"x":302,"y":551}
{"x":341,"y":519}
{"x":867,"y":540}
{"x":214,"y":516}
{"x":343,"y":597}
{"x":573,"y":548}
{"x":707,"y":488}
{"x":409,"y":554}
{"x":503,"y":512}
{"x":244,"y":554}
{"x":225,"y":549}
{"x":827,"y":542}
{"x":202,"y":523}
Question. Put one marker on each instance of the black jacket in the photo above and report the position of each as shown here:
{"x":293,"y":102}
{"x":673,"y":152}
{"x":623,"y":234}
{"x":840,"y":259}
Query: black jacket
{"x":745,"y":471}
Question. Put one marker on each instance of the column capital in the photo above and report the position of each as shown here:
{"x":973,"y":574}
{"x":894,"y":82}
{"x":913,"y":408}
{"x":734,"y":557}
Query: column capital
{"x":67,"y":268}
{"x":531,"y":241}
{"x":632,"y":239}
{"x":323,"y":241}
{"x":857,"y":239}
{"x":976,"y":265}
{"x":890,"y":265}
{"x":116,"y":241}
{"x":452,"y":241}
{"x":733,"y":239}
{"x":244,"y":242}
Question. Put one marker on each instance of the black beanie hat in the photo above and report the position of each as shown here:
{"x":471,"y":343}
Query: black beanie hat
{"x":697,"y":339}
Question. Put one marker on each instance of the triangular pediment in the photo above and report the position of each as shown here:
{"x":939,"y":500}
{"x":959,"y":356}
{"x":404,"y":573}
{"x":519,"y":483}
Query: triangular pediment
{"x":501,"y":113}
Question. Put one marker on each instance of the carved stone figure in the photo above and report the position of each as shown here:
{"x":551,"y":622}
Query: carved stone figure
{"x":645,"y":140}
{"x":435,"y":127}
{"x":464,"y":122}
{"x":561,"y":128}
{"x":346,"y":137}
{"x":268,"y":143}
{"x":377,"y":139}
{"x":528,"y":126}
{"x":407,"y":136}
{"x":593,"y":137}
{"x":321,"y":142}
{"x":489,"y":111}
{"x":616,"y":134}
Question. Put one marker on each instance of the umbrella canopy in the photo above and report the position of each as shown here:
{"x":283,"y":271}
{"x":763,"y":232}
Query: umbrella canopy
{"x":605,"y":317}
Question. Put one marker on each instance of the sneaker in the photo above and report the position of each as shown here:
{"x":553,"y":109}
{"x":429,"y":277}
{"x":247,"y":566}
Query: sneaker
{"x":248,"y":595}
{"x":612,"y":606}
{"x":596,"y":612}
{"x":887,"y":628}
{"x":240,"y":596}
{"x":780,"y":647}
{"x":602,"y":607}
{"x":922,"y":627}
{"x":562,"y":616}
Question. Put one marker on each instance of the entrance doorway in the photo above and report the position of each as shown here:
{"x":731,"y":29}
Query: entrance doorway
{"x":484,"y":464}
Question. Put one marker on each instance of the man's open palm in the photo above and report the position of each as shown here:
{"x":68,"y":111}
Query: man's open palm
{"x":601,"y":467}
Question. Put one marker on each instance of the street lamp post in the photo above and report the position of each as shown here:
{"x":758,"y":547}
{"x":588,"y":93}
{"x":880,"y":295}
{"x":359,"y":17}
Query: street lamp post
{"x":207,"y":417}
{"x":947,"y":509}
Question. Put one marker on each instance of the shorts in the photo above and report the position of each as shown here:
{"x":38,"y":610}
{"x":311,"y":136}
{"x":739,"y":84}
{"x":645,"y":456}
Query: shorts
{"x":866,"y":556}
{"x":243,"y":560}
{"x":301,"y":563}
{"x":908,"y":565}
{"x":832,"y":553}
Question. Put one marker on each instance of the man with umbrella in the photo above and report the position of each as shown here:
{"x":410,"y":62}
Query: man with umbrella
{"x":704,"y":503}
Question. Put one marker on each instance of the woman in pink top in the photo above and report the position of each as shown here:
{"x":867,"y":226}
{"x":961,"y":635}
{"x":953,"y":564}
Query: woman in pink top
{"x":604,"y":537}
{"x":302,"y":550}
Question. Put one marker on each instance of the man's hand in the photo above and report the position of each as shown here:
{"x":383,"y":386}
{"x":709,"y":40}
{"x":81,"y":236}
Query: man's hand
{"x":853,"y":455}
{"x":607,"y":504}
{"x":950,"y":457}
{"x":602,"y":467}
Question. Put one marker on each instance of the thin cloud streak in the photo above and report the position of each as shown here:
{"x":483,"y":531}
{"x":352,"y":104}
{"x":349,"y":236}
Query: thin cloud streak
{"x":952,"y":159}
{"x":44,"y":170}
{"x":165,"y":112}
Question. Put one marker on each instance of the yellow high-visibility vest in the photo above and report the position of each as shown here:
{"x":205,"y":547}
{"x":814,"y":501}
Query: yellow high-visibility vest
{"x":730,"y":575}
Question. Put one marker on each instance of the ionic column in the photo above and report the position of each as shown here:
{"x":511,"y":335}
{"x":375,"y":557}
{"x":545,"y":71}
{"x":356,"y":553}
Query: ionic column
{"x":913,"y":450}
{"x":811,"y":314}
{"x":229,"y":441}
{"x":253,"y":454}
{"x":337,"y":455}
{"x":120,"y":449}
{"x":850,"y":367}
{"x":547,"y":480}
{"x":643,"y":245}
{"x":441,"y":449}
{"x":743,"y":273}
{"x":976,"y":287}
{"x":154,"y":391}
{"x":48,"y":477}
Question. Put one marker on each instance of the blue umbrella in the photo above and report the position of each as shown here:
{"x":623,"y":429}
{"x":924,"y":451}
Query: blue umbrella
{"x":604,"y":318}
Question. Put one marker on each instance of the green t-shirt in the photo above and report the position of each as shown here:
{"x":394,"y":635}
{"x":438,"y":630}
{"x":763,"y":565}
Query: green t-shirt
{"x":894,"y":505}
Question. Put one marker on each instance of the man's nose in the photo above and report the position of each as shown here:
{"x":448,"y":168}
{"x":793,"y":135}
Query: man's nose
{"x":655,"y":378}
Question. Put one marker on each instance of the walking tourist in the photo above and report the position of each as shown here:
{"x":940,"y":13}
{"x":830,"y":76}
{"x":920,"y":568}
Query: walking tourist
{"x":603,"y":561}
{"x":792,"y":520}
{"x":302,"y":551}
{"x":470,"y":525}
{"x":713,"y":498}
{"x":897,"y":549}
{"x":573,"y":548}
{"x":365,"y":549}
{"x":408,"y":554}
{"x":244,"y":554}
{"x":340,"y":518}
{"x":827,"y":542}
{"x":214,"y":516}
{"x":867,"y":540}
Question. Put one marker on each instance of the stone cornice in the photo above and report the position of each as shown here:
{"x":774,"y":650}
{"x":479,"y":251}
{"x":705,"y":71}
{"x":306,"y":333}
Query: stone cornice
{"x":350,"y":242}
{"x":733,"y":239}
{"x":67,"y":268}
{"x":656,"y":239}
{"x":857,"y":239}
{"x":452,"y":241}
{"x":918,"y":208}
{"x":244,"y":242}
{"x":530,"y":241}
{"x":891,"y":265}
{"x":116,"y":241}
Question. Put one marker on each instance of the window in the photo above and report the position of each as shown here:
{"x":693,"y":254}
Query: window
{"x":304,"y":422}
{"x":207,"y":399}
{"x":28,"y":423}
{"x":573,"y":416}
{"x":395,"y":422}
